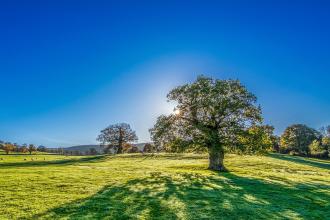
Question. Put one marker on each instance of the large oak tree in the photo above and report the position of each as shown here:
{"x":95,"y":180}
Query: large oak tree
{"x":211,"y":114}
{"x":115,"y":136}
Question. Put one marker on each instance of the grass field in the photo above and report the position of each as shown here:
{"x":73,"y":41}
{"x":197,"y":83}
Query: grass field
{"x":165,"y":186}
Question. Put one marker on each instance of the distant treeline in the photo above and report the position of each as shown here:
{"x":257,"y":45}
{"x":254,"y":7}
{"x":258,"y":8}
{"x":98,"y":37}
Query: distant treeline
{"x":297,"y":139}
{"x":9,"y":147}
{"x":12,"y":148}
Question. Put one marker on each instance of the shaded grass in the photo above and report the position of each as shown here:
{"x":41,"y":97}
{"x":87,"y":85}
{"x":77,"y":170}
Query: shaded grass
{"x":320,"y":163}
{"x":194,"y":197}
{"x":32,"y":161}
{"x":165,"y":186}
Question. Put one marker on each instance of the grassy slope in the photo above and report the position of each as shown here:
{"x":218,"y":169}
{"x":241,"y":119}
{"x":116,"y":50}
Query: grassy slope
{"x":163,"y":187}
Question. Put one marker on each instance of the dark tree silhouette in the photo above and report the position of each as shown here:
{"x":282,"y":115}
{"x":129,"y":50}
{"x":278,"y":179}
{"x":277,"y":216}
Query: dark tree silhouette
{"x":31,"y":148}
{"x":42,"y":148}
{"x":115,"y":136}
{"x":92,"y":151}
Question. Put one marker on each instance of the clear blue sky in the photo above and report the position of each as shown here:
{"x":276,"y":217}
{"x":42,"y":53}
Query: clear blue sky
{"x":70,"y":68}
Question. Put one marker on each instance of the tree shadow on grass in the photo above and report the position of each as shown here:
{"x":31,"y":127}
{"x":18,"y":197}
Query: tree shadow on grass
{"x":324,"y":164}
{"x":41,"y":162}
{"x":166,"y":156}
{"x":196,"y":196}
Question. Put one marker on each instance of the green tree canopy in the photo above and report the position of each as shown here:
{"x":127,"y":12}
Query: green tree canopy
{"x":297,"y":138}
{"x":257,"y":139}
{"x":210,"y":114}
{"x":31,"y":148}
{"x":316,"y":149}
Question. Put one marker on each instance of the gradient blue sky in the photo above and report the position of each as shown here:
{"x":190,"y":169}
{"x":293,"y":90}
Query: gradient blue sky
{"x":70,"y":68}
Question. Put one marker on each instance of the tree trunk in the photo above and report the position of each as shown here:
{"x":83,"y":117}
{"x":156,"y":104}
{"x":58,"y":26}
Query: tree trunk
{"x":120,"y":142}
{"x":120,"y":149}
{"x":216,"y":159}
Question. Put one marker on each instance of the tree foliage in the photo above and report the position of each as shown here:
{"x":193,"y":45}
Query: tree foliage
{"x":257,"y":139}
{"x":8,"y":147}
{"x":297,"y":138}
{"x":92,"y":151}
{"x":31,"y":148}
{"x":325,"y":131}
{"x":326,"y":143}
{"x":149,"y":148}
{"x":317,"y":149}
{"x":115,"y":136}
{"x":209,"y":114}
{"x":42,"y":148}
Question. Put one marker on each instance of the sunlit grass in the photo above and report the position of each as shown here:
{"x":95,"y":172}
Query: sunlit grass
{"x":165,"y":186}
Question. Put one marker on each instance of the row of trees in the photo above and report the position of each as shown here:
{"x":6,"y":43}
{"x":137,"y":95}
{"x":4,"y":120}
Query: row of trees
{"x":25,"y":148}
{"x":217,"y":117}
{"x":8,"y":147}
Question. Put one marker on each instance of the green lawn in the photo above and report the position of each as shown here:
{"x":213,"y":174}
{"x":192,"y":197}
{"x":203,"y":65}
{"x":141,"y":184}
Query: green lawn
{"x":165,"y":186}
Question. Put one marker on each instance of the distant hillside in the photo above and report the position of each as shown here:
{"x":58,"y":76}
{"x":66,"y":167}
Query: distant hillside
{"x":98,"y":148}
{"x":84,"y":148}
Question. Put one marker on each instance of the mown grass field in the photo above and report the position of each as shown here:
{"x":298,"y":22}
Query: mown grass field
{"x":165,"y":186}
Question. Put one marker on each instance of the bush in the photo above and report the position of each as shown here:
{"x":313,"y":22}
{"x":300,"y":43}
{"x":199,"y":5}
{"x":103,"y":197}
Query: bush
{"x":316,"y":149}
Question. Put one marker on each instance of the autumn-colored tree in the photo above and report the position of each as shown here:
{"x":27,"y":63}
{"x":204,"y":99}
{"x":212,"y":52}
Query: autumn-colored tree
{"x":8,"y":147}
{"x":149,"y":148}
{"x":127,"y":147}
{"x":133,"y":149}
{"x":24,"y":148}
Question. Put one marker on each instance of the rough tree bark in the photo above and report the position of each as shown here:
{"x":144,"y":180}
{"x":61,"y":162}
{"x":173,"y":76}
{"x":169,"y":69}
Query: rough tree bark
{"x":120,"y":142}
{"x":216,"y":157}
